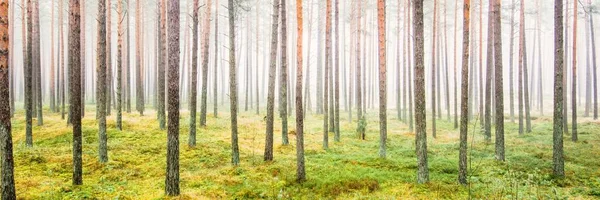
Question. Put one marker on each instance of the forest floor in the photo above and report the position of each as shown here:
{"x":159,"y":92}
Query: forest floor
{"x":350,"y":169}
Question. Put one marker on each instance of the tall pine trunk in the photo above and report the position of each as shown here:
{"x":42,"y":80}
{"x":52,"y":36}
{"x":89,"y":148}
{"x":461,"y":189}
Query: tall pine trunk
{"x":194,"y":84}
{"x":464,"y":104}
{"x":382,"y":78}
{"x":101,"y":83}
{"x":268,"y":156}
{"x":172,"y":179}
{"x":300,"y":171}
{"x":75,"y":88}
{"x":420,"y":117}
{"x":557,"y":136}
{"x":499,"y":93}
{"x":235,"y":153}
{"x":205,"y":37}
{"x":283,"y":84}
{"x":8,"y":179}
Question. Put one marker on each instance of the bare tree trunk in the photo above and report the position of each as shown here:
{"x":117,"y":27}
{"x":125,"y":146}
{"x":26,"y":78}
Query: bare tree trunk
{"x":557,"y":136}
{"x":337,"y":73}
{"x":162,"y":63}
{"x":300,"y":172}
{"x":420,"y":117}
{"x":525,"y":72}
{"x":139,"y":95}
{"x":172,"y":179}
{"x":464,"y":107}
{"x":205,"y":37}
{"x":128,"y":64}
{"x":235,"y":153}
{"x":382,"y":78}
{"x":52,"y":72}
{"x":283,"y":84}
{"x":433,"y":69}
{"x":119,"y":101}
{"x":83,"y":64}
{"x":522,"y":65}
{"x":489,"y":65}
{"x":215,"y":102}
{"x":594,"y":74}
{"x":359,"y":104}
{"x":409,"y":66}
{"x":456,"y":58}
{"x":194,"y":85}
{"x":101,"y":83}
{"x":510,"y":60}
{"x":319,"y":97}
{"x":37,"y":64}
{"x":268,"y":156}
{"x":499,"y":94}
{"x":327,"y":69}
{"x":574,"y":80}
{"x":109,"y":78}
{"x":28,"y":71}
{"x":75,"y":88}
{"x":8,"y":179}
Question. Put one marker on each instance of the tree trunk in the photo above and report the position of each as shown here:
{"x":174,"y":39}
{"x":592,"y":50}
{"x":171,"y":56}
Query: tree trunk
{"x":101,"y":83}
{"x":594,"y":74}
{"x":489,"y":65}
{"x":83,"y":64}
{"x":300,"y":172}
{"x":499,"y":94}
{"x":456,"y":58}
{"x":216,"y":61}
{"x":109,"y":78}
{"x":464,"y":104}
{"x":75,"y":88}
{"x":510,"y":60}
{"x":235,"y":153}
{"x":37,"y":64}
{"x":205,"y":37}
{"x":337,"y":73}
{"x":327,"y":69}
{"x":268,"y":156}
{"x":194,"y":84}
{"x":119,"y":101}
{"x":172,"y":179}
{"x":433,"y":69}
{"x":359,"y":104}
{"x":8,"y":179}
{"x":28,"y":77}
{"x":420,"y":117}
{"x":139,"y":92}
{"x":283,"y":84}
{"x":162,"y":55}
{"x":525,"y":72}
{"x":382,"y":78}
{"x":52,"y":72}
{"x":557,"y":153}
{"x":574,"y":79}
{"x":319,"y":97}
{"x":522,"y":65}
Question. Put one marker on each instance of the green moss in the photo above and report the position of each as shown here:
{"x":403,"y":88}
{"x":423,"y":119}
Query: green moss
{"x":350,"y":169}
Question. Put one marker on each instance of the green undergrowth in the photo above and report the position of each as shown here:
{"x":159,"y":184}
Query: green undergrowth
{"x":350,"y":169}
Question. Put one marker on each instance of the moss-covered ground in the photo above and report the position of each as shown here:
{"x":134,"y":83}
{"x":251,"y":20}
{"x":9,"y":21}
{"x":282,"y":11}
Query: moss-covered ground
{"x":350,"y":169}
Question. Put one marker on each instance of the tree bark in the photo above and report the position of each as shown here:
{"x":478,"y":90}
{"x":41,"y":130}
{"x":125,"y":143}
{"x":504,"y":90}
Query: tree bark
{"x":194,"y":84}
{"x":235,"y":154}
{"x":433,"y":69}
{"x":283,"y":84}
{"x":205,"y":37}
{"x":464,"y":104}
{"x":75,"y":88}
{"x":382,"y":78}
{"x":327,"y":69}
{"x":300,"y":171}
{"x":101,"y":83}
{"x":162,"y":55}
{"x":420,"y":117}
{"x":268,"y":156}
{"x":109,"y":78}
{"x":119,"y":101}
{"x":8,"y":179}
{"x":139,"y":92}
{"x":172,"y":179}
{"x":216,"y":61}
{"x":28,"y":78}
{"x":557,"y":153}
{"x":489,"y":65}
{"x":574,"y":79}
{"x":499,"y":94}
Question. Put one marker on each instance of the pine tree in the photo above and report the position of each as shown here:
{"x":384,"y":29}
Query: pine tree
{"x":499,"y":93}
{"x":420,"y":117}
{"x":557,"y":154}
{"x":268,"y":156}
{"x":101,"y":83}
{"x":464,"y":107}
{"x":8,"y":179}
{"x":235,"y":153}
{"x":300,"y":171}
{"x":382,"y":78}
{"x":194,"y":84}
{"x":172,"y":179}
{"x":75,"y":88}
